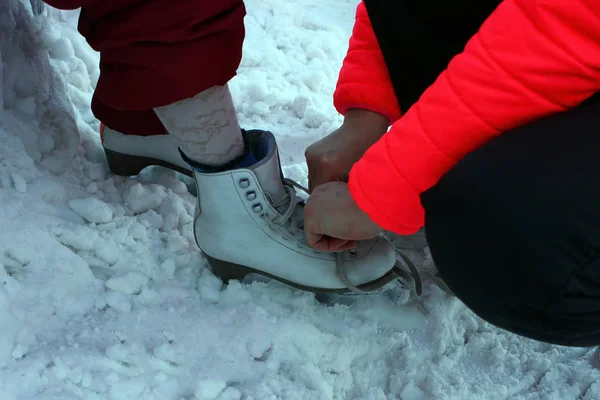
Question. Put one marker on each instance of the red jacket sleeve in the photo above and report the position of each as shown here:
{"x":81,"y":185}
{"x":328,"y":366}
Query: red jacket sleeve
{"x":530,"y":59}
{"x":364,"y":81}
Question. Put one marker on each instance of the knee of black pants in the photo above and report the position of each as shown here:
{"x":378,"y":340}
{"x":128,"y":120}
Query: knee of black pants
{"x":512,"y":250}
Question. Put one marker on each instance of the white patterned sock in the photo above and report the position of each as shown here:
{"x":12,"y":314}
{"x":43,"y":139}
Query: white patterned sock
{"x":205,"y":126}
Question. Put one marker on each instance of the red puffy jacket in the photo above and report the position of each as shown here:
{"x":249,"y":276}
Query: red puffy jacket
{"x":156,"y":52}
{"x":530,"y":59}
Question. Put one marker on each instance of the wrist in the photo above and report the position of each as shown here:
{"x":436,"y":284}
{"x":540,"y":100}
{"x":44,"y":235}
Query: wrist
{"x":367,"y":122}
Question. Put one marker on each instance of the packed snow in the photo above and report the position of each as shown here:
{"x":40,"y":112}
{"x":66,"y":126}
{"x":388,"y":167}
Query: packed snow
{"x":104,"y":294}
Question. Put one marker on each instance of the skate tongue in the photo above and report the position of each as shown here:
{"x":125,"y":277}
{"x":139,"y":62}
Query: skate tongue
{"x":268,"y":168}
{"x":269,"y":176}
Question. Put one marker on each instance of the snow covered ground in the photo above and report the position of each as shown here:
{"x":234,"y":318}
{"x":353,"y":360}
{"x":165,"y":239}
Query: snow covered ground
{"x":104,"y":295}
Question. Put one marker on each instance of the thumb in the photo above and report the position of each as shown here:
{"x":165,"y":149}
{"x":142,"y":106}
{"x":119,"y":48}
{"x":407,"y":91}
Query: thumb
{"x":338,"y":245}
{"x":314,"y":238}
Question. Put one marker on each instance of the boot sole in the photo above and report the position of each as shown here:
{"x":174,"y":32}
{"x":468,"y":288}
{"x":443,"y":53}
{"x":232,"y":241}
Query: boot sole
{"x":227,"y":271}
{"x":129,"y":165}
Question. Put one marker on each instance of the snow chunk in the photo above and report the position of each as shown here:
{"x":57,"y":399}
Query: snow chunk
{"x":313,"y":378}
{"x":128,"y":283}
{"x":169,"y":267}
{"x":141,"y":199}
{"x":20,"y":351}
{"x":118,"y":301}
{"x":209,"y":389}
{"x":413,"y":392}
{"x":172,"y":209}
{"x":92,"y":210}
{"x":209,"y":287}
{"x":78,"y":238}
{"x":172,"y":354}
{"x":259,"y":347}
{"x":45,"y":144}
{"x":107,"y":251}
{"x":92,"y":188}
{"x":151,"y":219}
{"x":19,"y":182}
{"x":314,"y":80}
{"x":9,"y":328}
{"x":138,"y":232}
{"x":62,"y":49}
{"x":231,"y":393}
{"x":20,"y":254}
{"x":96,"y":172}
{"x":127,"y":390}
{"x":26,"y":107}
{"x":176,"y":243}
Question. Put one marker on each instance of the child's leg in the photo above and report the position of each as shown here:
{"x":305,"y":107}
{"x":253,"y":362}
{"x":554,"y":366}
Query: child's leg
{"x":205,"y":126}
{"x":148,"y":60}
{"x":514,"y":229}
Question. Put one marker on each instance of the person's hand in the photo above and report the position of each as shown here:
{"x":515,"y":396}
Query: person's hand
{"x":332,"y":220}
{"x":331,"y":158}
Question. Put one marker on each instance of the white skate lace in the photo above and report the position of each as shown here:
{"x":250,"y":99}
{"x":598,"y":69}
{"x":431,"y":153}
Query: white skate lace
{"x":284,"y":222}
{"x":404,"y":269}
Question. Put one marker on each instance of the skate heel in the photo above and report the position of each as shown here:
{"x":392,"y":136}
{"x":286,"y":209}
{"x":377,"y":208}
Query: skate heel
{"x":125,"y":164}
{"x":227,"y":271}
{"x":129,"y":165}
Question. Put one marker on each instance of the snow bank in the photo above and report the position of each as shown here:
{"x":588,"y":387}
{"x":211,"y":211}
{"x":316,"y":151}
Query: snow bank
{"x":103,"y":294}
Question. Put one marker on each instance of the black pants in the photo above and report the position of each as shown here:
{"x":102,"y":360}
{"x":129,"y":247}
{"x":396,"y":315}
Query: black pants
{"x":514,"y":229}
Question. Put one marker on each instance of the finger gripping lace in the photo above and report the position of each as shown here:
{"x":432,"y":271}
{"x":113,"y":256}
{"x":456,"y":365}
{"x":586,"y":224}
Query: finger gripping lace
{"x":403,"y":270}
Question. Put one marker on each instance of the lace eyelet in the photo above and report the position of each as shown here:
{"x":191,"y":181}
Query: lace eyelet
{"x":264,"y":215}
{"x":251,"y":195}
{"x":244,"y":183}
{"x":353,"y":252}
{"x":257,"y":208}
